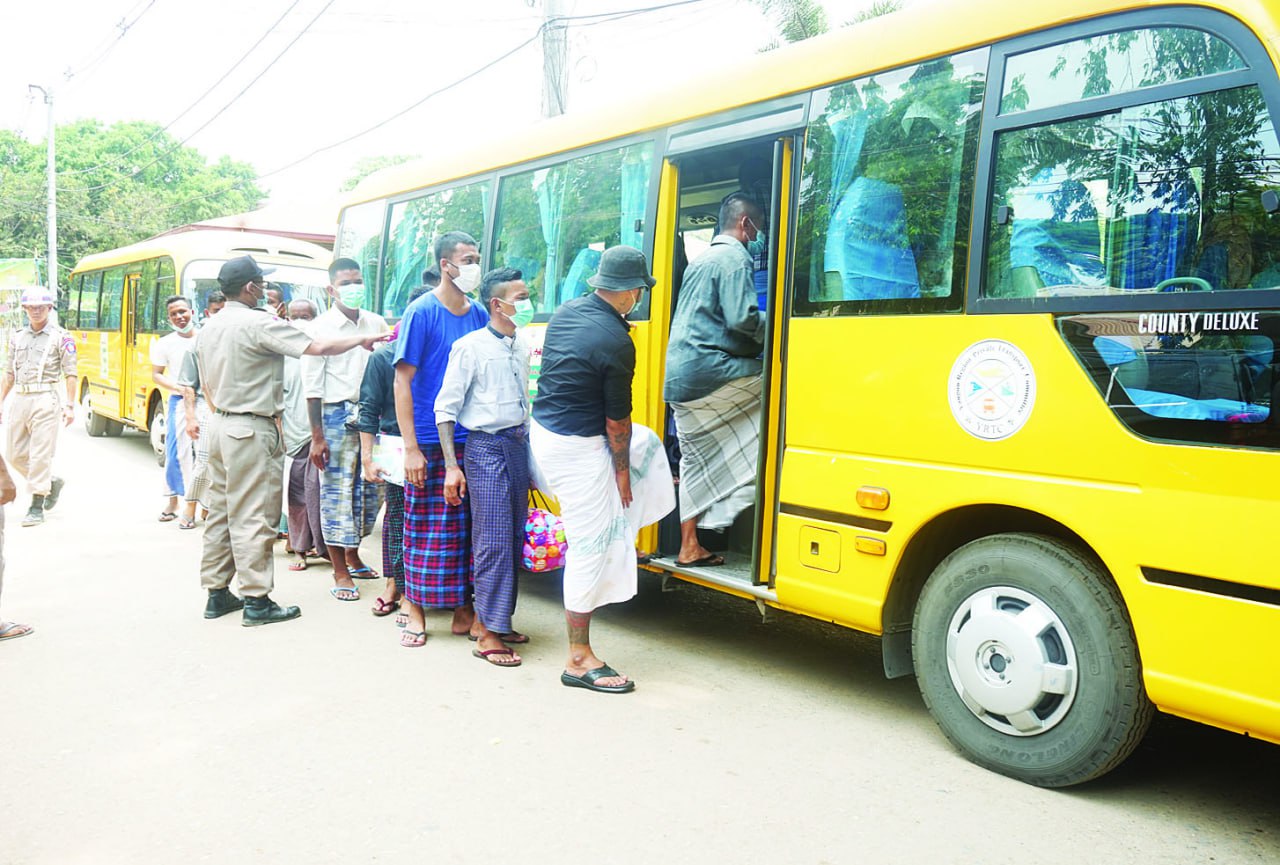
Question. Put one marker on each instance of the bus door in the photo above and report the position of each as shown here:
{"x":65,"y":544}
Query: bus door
{"x":705,"y":166}
{"x":134,"y":365}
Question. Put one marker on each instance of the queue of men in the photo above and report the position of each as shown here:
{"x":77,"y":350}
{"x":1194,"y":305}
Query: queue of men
{"x":280,"y":377}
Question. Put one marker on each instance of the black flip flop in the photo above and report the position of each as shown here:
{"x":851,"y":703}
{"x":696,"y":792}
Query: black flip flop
{"x":590,"y":677}
{"x":506,"y":638}
{"x":710,"y":560}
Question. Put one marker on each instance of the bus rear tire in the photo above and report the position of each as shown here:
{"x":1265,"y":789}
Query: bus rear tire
{"x":158,"y":429}
{"x":1025,"y":657}
{"x":94,"y":424}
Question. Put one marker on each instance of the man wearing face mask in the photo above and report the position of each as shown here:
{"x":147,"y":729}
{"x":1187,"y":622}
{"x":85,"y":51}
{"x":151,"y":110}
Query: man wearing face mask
{"x":240,"y":358}
{"x":713,"y":380}
{"x":437,"y":536}
{"x":167,"y":356}
{"x":348,"y":503}
{"x":486,"y":390}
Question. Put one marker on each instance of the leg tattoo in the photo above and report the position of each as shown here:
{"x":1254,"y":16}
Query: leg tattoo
{"x":579,"y":628}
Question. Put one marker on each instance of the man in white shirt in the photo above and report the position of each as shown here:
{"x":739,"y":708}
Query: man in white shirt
{"x":167,"y":355}
{"x":486,"y":391}
{"x":348,"y":504}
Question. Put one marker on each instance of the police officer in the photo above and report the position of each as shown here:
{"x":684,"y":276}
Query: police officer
{"x":42,"y":361}
{"x":240,"y":355}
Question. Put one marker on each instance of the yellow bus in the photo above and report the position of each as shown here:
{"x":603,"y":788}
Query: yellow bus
{"x":115,"y":307}
{"x":1023,"y":305}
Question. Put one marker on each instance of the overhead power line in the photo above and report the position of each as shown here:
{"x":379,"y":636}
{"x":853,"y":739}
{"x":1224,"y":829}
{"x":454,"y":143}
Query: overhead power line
{"x":225,"y":75}
{"x":589,"y":20}
{"x":124,"y":26}
{"x":178,"y":145}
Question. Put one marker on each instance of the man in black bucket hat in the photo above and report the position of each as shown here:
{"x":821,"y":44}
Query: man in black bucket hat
{"x":581,"y":439}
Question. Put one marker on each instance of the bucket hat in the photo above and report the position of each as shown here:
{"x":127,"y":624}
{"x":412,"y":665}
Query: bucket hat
{"x":622,"y":268}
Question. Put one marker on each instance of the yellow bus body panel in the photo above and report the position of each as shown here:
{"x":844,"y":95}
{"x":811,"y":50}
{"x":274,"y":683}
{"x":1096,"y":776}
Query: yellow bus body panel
{"x":867,"y":405}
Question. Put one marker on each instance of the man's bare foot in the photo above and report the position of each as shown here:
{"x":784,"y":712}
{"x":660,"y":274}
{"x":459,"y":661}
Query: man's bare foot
{"x":464,"y":619}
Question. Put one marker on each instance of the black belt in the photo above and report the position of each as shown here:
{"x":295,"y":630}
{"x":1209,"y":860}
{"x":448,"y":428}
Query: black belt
{"x":226,"y":413}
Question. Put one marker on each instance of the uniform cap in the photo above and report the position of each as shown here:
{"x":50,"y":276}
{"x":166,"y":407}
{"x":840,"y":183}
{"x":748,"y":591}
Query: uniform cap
{"x":37,"y":296}
{"x":622,"y":268}
{"x":239,"y":271}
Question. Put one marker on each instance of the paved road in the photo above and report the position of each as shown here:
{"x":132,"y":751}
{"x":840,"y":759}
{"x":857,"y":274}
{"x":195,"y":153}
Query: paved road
{"x":135,"y":731}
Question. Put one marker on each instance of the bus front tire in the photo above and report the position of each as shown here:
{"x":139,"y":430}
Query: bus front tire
{"x":1025,"y":657}
{"x":94,"y":424}
{"x":158,"y":429}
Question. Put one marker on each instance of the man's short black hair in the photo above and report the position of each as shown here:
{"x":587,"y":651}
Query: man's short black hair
{"x":732,"y":208}
{"x":418,"y":291}
{"x":216,"y":297}
{"x":449,"y":241}
{"x":340,"y":264}
{"x":494,"y":280}
{"x":170,"y":301}
{"x":431,"y":276}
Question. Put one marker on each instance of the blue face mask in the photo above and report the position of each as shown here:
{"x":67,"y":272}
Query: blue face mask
{"x":758,"y":244}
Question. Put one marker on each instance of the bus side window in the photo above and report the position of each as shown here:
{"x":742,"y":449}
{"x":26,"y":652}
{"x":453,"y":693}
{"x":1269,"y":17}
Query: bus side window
{"x":886,"y":186}
{"x":69,"y":308}
{"x":89,"y":292}
{"x":1159,"y":196}
{"x":111,"y":301}
{"x":553,"y":223}
{"x":415,"y":226}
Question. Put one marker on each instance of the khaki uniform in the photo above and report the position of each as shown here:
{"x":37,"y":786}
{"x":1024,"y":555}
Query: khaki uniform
{"x":240,"y":354}
{"x":40,"y":364}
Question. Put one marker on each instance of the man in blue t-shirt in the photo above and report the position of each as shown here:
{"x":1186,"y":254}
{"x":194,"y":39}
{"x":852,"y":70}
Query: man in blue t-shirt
{"x":437,"y":535}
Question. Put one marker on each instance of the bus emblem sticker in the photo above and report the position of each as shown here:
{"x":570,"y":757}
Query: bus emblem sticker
{"x":992,"y":389}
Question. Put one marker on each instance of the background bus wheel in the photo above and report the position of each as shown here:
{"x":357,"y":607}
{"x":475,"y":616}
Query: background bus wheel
{"x":157,"y":429}
{"x":93,"y":424}
{"x":1026,"y":659}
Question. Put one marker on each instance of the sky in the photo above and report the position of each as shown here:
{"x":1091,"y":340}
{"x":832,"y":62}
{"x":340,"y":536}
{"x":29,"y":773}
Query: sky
{"x":324,"y":70}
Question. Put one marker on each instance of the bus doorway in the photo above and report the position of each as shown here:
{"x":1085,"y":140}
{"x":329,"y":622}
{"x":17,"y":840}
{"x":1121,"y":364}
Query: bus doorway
{"x":728,"y":448}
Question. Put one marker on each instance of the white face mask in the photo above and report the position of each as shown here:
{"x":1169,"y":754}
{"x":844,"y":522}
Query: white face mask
{"x":468,"y":278}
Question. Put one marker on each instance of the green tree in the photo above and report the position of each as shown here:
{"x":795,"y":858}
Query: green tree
{"x":117,"y":185}
{"x":366,"y":165}
{"x":797,"y":20}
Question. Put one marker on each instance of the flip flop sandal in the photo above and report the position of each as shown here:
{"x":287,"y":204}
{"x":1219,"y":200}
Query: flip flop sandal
{"x":168,"y":517}
{"x":384,"y":608}
{"x":298,"y":566}
{"x":402,"y":620}
{"x":490,"y":654}
{"x":351,"y":589}
{"x":413,"y":639}
{"x":710,"y":560}
{"x":13,"y":630}
{"x":590,"y":677}
{"x":365,"y":573}
{"x":185,"y":523}
{"x":515,"y":638}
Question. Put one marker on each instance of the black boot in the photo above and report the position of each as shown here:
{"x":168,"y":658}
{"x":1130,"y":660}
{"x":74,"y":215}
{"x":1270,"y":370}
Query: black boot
{"x":35,"y":513}
{"x":221,"y":602}
{"x":55,"y":490}
{"x":264,"y":611}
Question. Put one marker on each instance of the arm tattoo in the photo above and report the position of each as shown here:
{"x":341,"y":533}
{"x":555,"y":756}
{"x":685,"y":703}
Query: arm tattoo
{"x":446,"y":443}
{"x":619,"y":434}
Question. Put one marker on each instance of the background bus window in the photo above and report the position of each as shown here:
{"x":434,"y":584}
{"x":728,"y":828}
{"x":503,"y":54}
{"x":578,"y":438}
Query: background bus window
{"x":1112,"y":63}
{"x":111,"y":301}
{"x":166,"y":287}
{"x":88,"y":302}
{"x":360,"y":237}
{"x":1195,"y":377}
{"x":201,"y":277}
{"x":415,"y":225}
{"x":886,"y":188}
{"x":1122,"y":203}
{"x":69,"y":303}
{"x":553,"y":223}
{"x":145,"y":316}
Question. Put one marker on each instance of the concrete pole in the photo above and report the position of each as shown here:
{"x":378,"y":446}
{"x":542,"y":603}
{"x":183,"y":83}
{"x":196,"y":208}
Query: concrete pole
{"x":52,"y":216}
{"x":555,"y":58}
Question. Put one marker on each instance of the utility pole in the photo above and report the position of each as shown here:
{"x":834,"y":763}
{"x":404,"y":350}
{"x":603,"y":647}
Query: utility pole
{"x":52,"y":263}
{"x":555,"y":57}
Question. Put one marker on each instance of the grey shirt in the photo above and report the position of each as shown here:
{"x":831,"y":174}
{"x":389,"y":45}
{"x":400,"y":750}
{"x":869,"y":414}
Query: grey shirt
{"x":718,"y":331}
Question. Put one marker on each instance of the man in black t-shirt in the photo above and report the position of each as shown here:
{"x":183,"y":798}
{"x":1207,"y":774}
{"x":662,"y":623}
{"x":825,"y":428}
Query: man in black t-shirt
{"x":581,"y":439}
